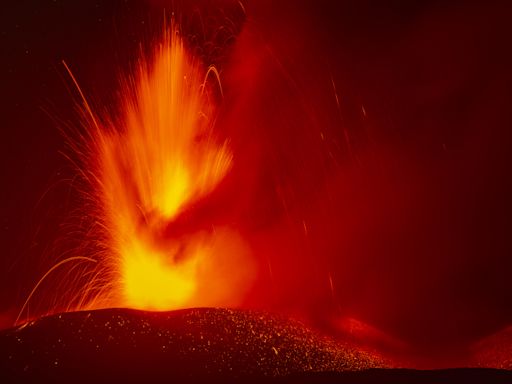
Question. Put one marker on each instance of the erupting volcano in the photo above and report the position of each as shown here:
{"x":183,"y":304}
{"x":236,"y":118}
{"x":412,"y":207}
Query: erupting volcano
{"x":255,"y":190}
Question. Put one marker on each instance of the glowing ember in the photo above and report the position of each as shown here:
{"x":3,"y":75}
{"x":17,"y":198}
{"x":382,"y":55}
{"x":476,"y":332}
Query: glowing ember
{"x":152,"y":166}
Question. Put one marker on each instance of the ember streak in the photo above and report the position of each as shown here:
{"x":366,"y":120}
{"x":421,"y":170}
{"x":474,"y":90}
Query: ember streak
{"x":351,"y":163}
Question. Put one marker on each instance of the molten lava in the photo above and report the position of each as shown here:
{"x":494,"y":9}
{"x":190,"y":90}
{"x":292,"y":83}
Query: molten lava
{"x":159,"y":159}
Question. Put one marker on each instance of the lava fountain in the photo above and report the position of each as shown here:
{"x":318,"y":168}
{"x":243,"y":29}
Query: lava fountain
{"x":148,"y":169}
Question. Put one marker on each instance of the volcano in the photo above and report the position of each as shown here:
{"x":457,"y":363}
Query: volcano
{"x":197,"y":345}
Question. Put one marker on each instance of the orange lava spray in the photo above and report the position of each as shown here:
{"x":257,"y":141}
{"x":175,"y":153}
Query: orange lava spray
{"x":145,"y":166}
{"x":162,"y":159}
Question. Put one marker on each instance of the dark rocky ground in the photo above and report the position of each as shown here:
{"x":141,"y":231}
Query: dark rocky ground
{"x":197,"y":345}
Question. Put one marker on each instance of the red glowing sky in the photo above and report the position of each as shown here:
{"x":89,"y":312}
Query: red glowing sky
{"x":399,"y":195}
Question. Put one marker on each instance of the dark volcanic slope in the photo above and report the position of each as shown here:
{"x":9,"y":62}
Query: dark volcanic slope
{"x":196,"y":345}
{"x":186,"y":344}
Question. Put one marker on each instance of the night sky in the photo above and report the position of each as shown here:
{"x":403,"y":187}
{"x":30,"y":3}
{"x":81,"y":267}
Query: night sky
{"x":416,"y":229}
